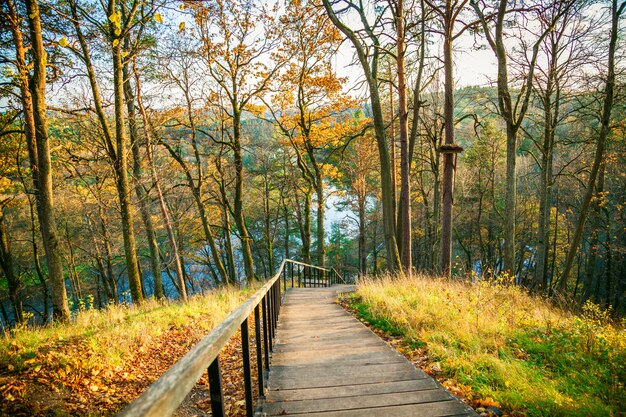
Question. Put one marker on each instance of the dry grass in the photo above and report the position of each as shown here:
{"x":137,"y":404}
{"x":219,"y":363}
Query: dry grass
{"x":533,"y":358}
{"x":113,"y":332}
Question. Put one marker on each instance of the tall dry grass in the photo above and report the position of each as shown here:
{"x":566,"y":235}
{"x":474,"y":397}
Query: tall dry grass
{"x":519,"y":349}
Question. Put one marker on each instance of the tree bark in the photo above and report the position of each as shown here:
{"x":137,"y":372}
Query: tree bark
{"x":240,"y":220}
{"x":142,"y":195}
{"x":121,"y":172}
{"x":406,"y":242}
{"x":37,"y":130}
{"x":600,"y":145}
{"x":370,"y":69}
{"x":6,"y":264}
{"x":448,"y":157}
{"x":178,"y":264}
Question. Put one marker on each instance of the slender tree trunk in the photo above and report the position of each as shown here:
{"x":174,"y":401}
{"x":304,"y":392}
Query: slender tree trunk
{"x":230,"y":257}
{"x":178,"y":265}
{"x":392,"y":148}
{"x":287,"y":231}
{"x":600,"y":145}
{"x":406,"y":242}
{"x":268,"y":234}
{"x":448,"y":155}
{"x":6,"y":264}
{"x":240,"y":220}
{"x":121,"y":176}
{"x":370,"y":68}
{"x":38,"y":270}
{"x":44,"y":193}
{"x":142,"y":195}
{"x":362,"y":230}
{"x":321,"y":208}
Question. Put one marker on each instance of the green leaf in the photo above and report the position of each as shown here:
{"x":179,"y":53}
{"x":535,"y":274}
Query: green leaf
{"x":63,"y":42}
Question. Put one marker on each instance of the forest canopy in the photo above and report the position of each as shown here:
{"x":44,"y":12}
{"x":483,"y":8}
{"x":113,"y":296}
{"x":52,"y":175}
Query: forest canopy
{"x":159,"y":148}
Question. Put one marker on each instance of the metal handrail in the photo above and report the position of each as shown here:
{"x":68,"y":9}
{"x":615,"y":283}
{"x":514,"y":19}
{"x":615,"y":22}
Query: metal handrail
{"x":164,"y":396}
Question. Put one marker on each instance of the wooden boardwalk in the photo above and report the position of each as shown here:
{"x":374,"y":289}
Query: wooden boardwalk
{"x":327,"y":363}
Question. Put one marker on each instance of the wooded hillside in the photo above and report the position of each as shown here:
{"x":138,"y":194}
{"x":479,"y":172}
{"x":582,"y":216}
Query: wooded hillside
{"x":159,"y":148}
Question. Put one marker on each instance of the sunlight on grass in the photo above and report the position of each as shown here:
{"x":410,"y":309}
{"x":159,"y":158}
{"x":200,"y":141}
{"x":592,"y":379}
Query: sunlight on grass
{"x":533,"y":358}
{"x":112,"y":334}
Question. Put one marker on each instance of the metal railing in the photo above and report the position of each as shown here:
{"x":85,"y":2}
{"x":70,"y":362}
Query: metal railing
{"x":164,"y":396}
{"x":303,"y":275}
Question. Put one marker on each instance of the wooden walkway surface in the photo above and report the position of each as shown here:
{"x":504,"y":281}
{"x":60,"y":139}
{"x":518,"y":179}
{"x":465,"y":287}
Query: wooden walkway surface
{"x":327,"y":363}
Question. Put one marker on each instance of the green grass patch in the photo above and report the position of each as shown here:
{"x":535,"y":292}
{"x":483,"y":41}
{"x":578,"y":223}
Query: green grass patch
{"x":529,"y":356}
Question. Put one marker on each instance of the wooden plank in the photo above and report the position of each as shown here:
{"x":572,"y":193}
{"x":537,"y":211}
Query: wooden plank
{"x":349,"y":390}
{"x":354,"y":356}
{"x":337,"y":369}
{"x":332,"y":380}
{"x":451,"y":408}
{"x":357,"y":402}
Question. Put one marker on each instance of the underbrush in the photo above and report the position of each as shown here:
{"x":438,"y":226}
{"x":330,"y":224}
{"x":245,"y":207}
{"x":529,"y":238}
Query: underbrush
{"x":103,"y":358}
{"x":530,"y":357}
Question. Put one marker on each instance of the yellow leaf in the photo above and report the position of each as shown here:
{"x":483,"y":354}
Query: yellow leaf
{"x":94,"y":388}
{"x":182,"y":6}
{"x":158,"y":17}
{"x":11,"y":367}
{"x":63,"y":42}
{"x":116,"y":42}
{"x":116,"y":18}
{"x":181,"y":26}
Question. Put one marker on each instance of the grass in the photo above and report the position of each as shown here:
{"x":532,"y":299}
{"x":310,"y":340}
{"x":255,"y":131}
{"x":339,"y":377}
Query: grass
{"x":114,"y":332}
{"x":103,"y":359}
{"x":532,"y":358}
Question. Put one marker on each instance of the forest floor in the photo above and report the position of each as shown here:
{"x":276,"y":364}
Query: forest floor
{"x":105,"y":359}
{"x":494,"y":345}
{"x":487,"y":342}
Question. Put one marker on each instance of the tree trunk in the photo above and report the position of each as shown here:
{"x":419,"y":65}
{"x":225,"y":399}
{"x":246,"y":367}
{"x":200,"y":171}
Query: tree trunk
{"x":6,"y":264}
{"x":448,"y":156}
{"x":362,"y":249}
{"x":370,"y":68}
{"x":121,"y":176}
{"x":142,"y":195}
{"x":230,"y":256}
{"x":321,"y":207}
{"x":240,"y":220}
{"x":267,"y":220}
{"x":406,"y":242}
{"x":287,"y":232}
{"x":600,"y":145}
{"x":43,"y":170}
{"x":392,"y":149}
{"x":171,"y":237}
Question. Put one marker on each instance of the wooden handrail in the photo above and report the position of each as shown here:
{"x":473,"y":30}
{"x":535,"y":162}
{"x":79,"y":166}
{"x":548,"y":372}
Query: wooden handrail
{"x":164,"y":396}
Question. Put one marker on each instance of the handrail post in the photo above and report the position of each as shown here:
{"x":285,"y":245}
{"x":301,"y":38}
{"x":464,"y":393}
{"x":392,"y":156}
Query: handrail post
{"x":270,"y":315}
{"x":259,"y":352}
{"x":291,"y":264}
{"x":267,"y":338}
{"x":285,"y":277}
{"x":215,"y":388}
{"x":247,"y":375}
{"x":299,"y":277}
